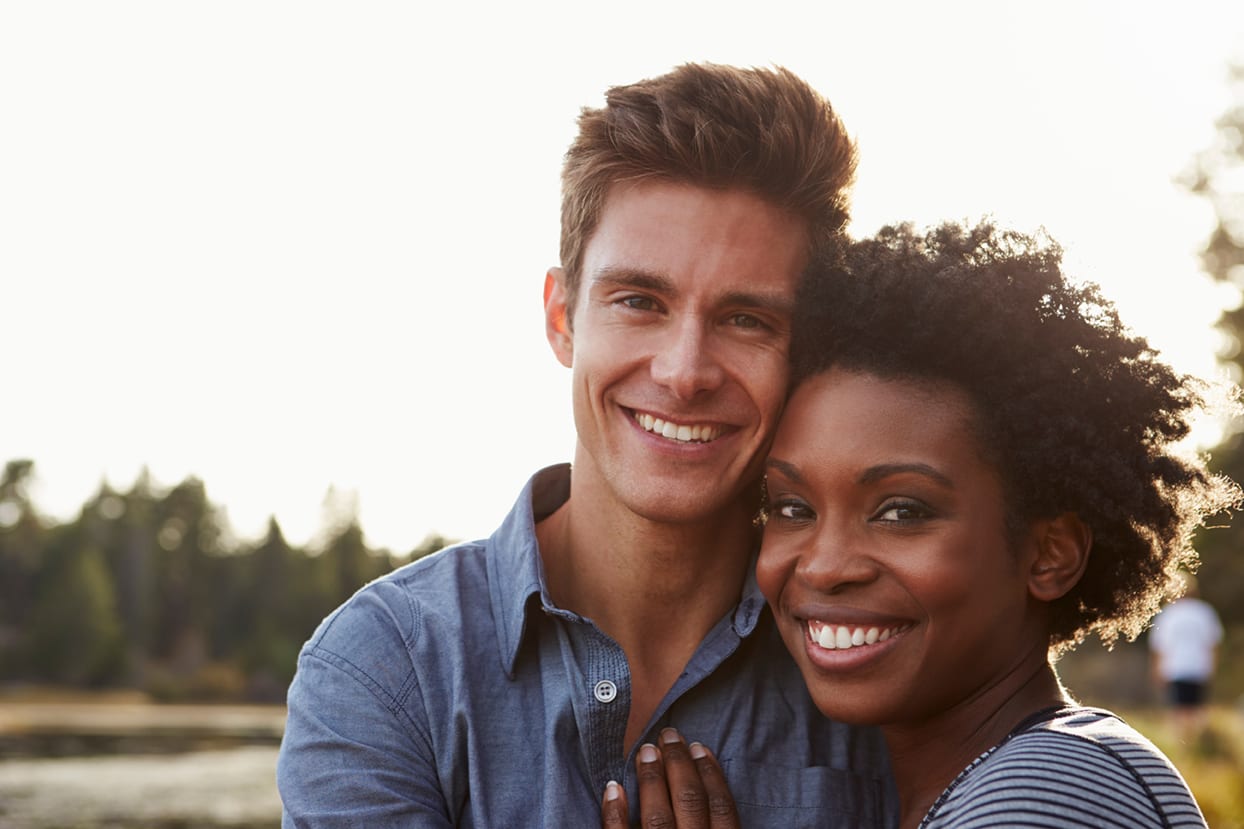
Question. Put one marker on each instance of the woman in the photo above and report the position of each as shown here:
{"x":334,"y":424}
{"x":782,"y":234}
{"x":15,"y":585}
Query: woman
{"x":976,"y":470}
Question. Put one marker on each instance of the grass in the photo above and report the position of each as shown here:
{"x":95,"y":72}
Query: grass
{"x":1213,"y":764}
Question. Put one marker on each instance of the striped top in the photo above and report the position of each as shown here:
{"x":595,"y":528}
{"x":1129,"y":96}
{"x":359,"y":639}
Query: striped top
{"x":1068,"y":767}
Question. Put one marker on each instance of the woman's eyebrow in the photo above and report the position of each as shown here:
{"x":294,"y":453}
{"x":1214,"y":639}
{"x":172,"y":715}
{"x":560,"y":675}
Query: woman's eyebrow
{"x":876,"y":473}
{"x":786,"y":469}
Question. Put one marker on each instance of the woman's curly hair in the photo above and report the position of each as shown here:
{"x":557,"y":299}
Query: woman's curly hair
{"x":1078,"y":413}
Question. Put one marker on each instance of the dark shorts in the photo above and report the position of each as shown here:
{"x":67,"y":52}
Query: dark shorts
{"x":1185,"y":693}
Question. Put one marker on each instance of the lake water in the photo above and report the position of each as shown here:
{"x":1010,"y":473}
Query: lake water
{"x":138,"y":766}
{"x":228,"y":787}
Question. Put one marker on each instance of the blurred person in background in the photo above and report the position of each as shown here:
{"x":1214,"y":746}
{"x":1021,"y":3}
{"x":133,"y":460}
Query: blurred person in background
{"x":1184,"y":642}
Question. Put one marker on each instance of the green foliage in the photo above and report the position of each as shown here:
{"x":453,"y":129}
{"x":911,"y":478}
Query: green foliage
{"x":75,"y":634}
{"x":146,"y":589}
{"x":1217,"y":174}
{"x":22,"y":537}
{"x":1212,"y":764}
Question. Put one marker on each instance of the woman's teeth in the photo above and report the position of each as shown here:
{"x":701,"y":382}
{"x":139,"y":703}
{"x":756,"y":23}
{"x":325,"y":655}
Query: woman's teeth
{"x":841,"y":637}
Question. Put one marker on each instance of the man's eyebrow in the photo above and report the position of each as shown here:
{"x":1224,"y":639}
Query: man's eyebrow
{"x":885,"y":470}
{"x":775,"y":303}
{"x":660,"y":283}
{"x":633,"y":278}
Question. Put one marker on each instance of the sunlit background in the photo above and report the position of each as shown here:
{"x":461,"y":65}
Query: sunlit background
{"x":292,"y":246}
{"x":297,"y":248}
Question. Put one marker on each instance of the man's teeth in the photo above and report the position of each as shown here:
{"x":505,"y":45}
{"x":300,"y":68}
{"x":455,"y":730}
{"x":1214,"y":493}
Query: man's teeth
{"x":675,"y":431}
{"x":841,"y":637}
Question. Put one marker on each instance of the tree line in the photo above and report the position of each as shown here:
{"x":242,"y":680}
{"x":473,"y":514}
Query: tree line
{"x":1217,"y":175}
{"x":147,"y":589}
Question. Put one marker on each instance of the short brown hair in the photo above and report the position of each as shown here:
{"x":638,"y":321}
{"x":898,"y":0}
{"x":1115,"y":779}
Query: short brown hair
{"x":762,"y":130}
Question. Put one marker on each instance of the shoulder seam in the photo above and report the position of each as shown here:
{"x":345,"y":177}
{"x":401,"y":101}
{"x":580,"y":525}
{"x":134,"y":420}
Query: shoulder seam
{"x":1131,"y":770}
{"x":355,"y":672}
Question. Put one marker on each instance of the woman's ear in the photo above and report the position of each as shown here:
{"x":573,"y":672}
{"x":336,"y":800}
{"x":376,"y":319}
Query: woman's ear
{"x":1063,"y":546}
{"x":556,"y":316}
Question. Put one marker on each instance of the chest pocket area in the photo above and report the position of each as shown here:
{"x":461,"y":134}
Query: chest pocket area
{"x":817,"y":797}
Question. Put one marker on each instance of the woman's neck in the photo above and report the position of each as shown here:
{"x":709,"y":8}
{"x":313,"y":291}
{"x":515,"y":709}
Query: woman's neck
{"x":926,"y":755}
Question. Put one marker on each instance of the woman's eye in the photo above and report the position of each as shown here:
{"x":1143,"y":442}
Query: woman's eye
{"x":902,"y":512}
{"x":789,"y":511}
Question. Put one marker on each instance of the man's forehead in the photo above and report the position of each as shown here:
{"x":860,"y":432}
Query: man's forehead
{"x":652,"y":201}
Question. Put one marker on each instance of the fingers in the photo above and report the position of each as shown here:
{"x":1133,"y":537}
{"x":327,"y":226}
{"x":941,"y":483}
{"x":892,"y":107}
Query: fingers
{"x":613,"y":811}
{"x":721,"y":810}
{"x":687,"y":798}
{"x":654,"y":798}
{"x":680,"y":787}
{"x":683,"y":786}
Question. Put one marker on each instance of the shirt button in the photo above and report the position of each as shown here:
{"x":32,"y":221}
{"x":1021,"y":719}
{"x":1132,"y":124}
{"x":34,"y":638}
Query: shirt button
{"x":605,"y":691}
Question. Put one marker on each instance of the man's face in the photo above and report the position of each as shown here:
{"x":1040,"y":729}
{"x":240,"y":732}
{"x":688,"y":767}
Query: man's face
{"x":679,"y":345}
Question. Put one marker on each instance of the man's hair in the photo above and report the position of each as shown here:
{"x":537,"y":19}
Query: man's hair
{"x":1075,"y":412}
{"x":761,"y":130}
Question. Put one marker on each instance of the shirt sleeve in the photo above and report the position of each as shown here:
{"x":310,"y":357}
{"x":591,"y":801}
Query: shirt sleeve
{"x":353,"y":754}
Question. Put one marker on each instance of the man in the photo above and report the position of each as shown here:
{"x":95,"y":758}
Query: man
{"x":504,"y":683}
{"x":1184,"y":642}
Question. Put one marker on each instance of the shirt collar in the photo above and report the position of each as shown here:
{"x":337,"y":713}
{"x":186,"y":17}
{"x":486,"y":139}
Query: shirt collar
{"x":516,"y":572}
{"x":751,"y":603}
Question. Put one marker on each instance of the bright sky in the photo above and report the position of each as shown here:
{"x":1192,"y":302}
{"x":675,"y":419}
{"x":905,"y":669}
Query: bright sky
{"x":288,"y":245}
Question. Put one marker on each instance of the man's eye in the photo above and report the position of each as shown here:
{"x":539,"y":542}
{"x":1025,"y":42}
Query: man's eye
{"x":639,"y":303}
{"x":745,"y":321}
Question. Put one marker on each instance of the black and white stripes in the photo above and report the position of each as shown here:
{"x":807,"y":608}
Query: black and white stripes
{"x":1079,"y":767}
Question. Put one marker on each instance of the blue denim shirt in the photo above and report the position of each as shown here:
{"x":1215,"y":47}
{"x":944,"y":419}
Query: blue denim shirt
{"x":452,"y":692}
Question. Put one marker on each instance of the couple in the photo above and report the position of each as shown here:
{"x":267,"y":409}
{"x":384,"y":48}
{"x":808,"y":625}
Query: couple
{"x":944,"y":520}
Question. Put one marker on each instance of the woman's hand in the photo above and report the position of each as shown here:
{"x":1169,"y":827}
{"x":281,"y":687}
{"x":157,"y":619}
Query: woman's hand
{"x":680,"y":787}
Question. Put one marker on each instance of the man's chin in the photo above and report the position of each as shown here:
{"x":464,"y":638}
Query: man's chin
{"x":685,"y":507}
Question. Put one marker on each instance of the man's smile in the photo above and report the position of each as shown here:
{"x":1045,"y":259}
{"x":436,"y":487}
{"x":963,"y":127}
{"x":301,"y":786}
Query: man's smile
{"x":682,"y":432}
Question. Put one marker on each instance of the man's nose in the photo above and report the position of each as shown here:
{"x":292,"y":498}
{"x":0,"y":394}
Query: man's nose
{"x":687,"y":362}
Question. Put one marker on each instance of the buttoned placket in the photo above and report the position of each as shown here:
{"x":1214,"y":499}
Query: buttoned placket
{"x":603,"y":674}
{"x":607,"y":683}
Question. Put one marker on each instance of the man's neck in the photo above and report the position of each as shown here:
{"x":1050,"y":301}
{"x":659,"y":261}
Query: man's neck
{"x":656,"y":589}
{"x":628,"y":574}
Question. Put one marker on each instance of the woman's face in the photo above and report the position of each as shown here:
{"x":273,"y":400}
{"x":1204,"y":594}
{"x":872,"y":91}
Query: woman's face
{"x":885,"y":557}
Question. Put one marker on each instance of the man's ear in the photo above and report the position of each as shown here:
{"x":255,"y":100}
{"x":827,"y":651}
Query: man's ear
{"x":556,"y":316}
{"x":1062,"y":552}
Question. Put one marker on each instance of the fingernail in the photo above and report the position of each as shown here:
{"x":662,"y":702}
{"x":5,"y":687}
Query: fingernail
{"x":612,"y":791}
{"x":647,"y":753}
{"x":698,"y":751}
{"x":669,"y":735}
